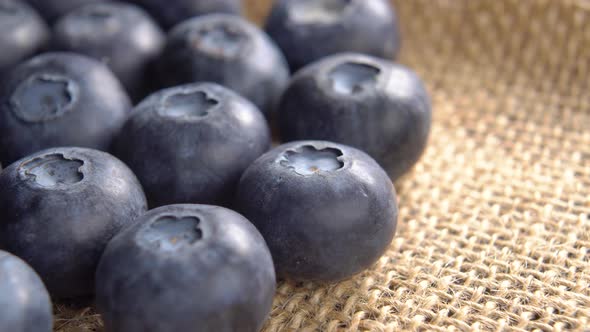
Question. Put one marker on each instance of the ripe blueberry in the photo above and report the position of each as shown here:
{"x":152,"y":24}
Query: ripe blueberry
{"x":59,"y":99}
{"x":23,"y":33}
{"x":369,"y":103}
{"x":121,"y":35}
{"x":54,"y":9}
{"x":186,"y":268}
{"x":25,"y":303}
{"x":327,"y":211}
{"x":227,"y":50}
{"x":308,"y":30}
{"x":60,"y":207}
{"x":190,"y":144}
{"x":170,"y":13}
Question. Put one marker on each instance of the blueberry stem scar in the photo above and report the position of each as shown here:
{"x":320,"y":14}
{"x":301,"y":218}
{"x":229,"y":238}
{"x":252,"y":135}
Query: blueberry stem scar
{"x":8,"y":8}
{"x":44,"y":97}
{"x":350,"y":77}
{"x":170,"y":233}
{"x":192,"y":104}
{"x":53,"y":170}
{"x":308,"y":160}
{"x":323,"y":11}
{"x":221,"y":40}
{"x":99,"y":14}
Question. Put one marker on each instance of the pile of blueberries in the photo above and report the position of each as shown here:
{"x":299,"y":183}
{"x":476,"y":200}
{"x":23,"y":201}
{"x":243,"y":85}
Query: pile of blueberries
{"x":82,"y":164}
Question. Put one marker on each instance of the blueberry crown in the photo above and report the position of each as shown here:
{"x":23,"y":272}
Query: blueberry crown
{"x":352,"y":77}
{"x":44,"y":97}
{"x":188,"y":104}
{"x":220,"y":40}
{"x":318,"y":12}
{"x":172,"y":233}
{"x":308,"y":160}
{"x":53,"y":170}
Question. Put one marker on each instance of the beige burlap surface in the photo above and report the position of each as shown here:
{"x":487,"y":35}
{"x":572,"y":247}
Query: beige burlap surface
{"x":494,"y":230}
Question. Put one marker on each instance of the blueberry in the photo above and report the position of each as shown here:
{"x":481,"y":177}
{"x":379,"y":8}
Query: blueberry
{"x":23,"y":33}
{"x":121,"y":35}
{"x":308,"y":30}
{"x":327,"y":211}
{"x":170,"y":13}
{"x":186,"y":268}
{"x":54,"y":9}
{"x":190,"y":144}
{"x":25,"y":304}
{"x":60,"y":207}
{"x":362,"y":101}
{"x":227,"y":50}
{"x":59,"y":99}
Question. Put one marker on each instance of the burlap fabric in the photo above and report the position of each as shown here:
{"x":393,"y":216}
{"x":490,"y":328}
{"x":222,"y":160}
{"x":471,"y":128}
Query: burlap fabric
{"x":494,"y":230}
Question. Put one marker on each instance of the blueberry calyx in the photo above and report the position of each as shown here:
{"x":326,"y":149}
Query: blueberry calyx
{"x":44,"y":97}
{"x":93,"y":21}
{"x":8,"y":8}
{"x":53,"y":170}
{"x":350,"y":78}
{"x":170,"y":233}
{"x":191,"y":104}
{"x":318,"y":12}
{"x":309,"y":160}
{"x":99,"y":14}
{"x":220,"y":40}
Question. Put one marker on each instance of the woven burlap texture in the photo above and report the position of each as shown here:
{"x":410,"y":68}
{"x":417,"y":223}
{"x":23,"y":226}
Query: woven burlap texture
{"x":494,"y":231}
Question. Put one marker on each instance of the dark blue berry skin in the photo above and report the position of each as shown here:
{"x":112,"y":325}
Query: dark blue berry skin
{"x":54,"y":9}
{"x":191,"y":144}
{"x":308,"y":30}
{"x":229,"y":51}
{"x":186,"y":268}
{"x":25,"y":303}
{"x":23,"y":33}
{"x":60,"y":207}
{"x":369,"y":103}
{"x":327,"y":211}
{"x":59,"y":99}
{"x":121,"y":35}
{"x":170,"y":13}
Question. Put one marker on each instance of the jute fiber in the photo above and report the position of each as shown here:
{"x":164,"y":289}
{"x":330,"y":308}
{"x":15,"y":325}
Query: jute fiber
{"x":494,"y":230}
